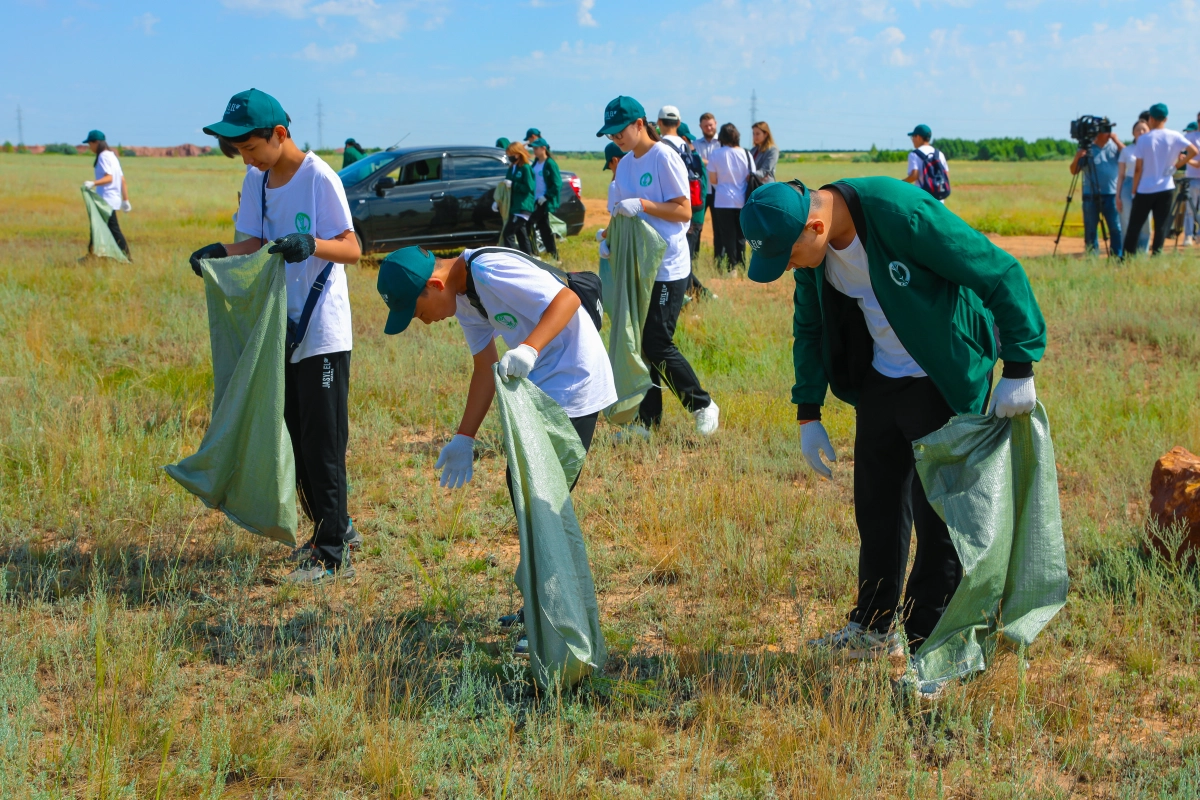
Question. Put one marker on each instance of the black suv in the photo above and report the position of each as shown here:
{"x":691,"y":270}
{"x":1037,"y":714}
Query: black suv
{"x":436,"y":197}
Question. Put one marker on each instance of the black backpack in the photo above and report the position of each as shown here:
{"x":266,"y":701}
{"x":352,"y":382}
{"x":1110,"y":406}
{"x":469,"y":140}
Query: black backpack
{"x":694,"y":166}
{"x":585,"y":285}
{"x":933,"y":177}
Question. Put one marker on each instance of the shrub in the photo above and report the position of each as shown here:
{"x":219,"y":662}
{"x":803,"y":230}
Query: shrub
{"x":61,"y":149}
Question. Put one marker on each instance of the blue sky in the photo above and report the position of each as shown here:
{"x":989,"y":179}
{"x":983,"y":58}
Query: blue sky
{"x":827,"y":73}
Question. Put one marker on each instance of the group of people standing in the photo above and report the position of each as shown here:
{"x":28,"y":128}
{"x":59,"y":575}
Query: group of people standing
{"x":534,"y":182}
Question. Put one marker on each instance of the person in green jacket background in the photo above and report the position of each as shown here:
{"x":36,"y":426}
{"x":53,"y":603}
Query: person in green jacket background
{"x":902,"y":310}
{"x":547,"y":180}
{"x":352,"y":152}
{"x":522,"y":200}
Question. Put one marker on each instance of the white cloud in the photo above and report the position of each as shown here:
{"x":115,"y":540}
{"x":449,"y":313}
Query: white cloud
{"x":328,"y":55}
{"x":585,"y":14}
{"x":289,"y":8}
{"x":891,"y":35}
{"x":1017,"y":37}
{"x":371,"y":20}
{"x":146,"y":22}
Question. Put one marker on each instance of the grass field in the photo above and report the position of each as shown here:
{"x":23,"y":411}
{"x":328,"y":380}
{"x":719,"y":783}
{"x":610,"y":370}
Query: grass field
{"x":149,"y":651}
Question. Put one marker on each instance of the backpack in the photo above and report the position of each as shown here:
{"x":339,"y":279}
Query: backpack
{"x":752,"y":180}
{"x":694,"y":166}
{"x":933,"y":177}
{"x":585,"y":285}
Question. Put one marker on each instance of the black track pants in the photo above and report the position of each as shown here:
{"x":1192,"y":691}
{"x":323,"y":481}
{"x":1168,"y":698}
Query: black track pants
{"x":115,"y":229}
{"x":317,"y":416}
{"x":540,"y":219}
{"x":1145,"y":204}
{"x":888,"y":499}
{"x":668,"y":368}
{"x":728,"y":242}
{"x":516,"y":234}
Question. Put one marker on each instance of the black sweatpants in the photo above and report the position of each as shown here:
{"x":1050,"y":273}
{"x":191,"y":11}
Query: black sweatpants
{"x":316,"y":390}
{"x":1145,"y":204}
{"x":728,"y":241}
{"x":668,"y":367}
{"x":585,"y":426}
{"x":693,"y":239}
{"x":540,"y":219}
{"x":115,"y":229}
{"x":516,"y":234}
{"x":888,"y":499}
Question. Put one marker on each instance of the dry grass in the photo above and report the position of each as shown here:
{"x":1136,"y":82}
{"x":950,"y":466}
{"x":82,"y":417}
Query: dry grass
{"x":148,"y":650}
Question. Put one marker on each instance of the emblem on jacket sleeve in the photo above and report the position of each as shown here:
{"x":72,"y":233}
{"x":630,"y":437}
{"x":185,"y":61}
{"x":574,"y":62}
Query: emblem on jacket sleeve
{"x":900,"y":273}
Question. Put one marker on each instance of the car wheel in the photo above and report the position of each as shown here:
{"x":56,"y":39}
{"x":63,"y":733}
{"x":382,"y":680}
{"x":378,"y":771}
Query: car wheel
{"x":361,"y":248}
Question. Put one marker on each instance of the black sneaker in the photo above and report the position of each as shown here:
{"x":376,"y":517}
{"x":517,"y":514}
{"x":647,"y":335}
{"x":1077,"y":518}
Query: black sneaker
{"x":522,"y":647}
{"x":508,"y":620}
{"x":305,"y":551}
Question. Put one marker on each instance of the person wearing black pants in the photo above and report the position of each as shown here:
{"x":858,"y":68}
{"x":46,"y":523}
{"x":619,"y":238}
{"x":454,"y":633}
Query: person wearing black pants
{"x":729,"y":245}
{"x":316,"y":390}
{"x":115,"y":230}
{"x":1159,"y":153}
{"x":1145,"y":205}
{"x":668,"y":367}
{"x":109,"y":184}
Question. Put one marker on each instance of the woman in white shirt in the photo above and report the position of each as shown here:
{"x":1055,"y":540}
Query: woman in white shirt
{"x":109,"y":183}
{"x":652,"y":185}
{"x":728,"y":168}
{"x":1125,"y":164}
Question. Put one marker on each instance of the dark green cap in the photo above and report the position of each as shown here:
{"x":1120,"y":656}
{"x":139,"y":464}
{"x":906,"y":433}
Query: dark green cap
{"x":94,"y":136}
{"x":402,"y":278}
{"x":503,"y":143}
{"x":532,"y":132}
{"x":772,"y":220}
{"x":248,"y":111}
{"x":686,"y":132}
{"x":1158,"y":111}
{"x":611,"y":151}
{"x":539,"y":142}
{"x":922,"y":131}
{"x":1191,"y":126}
{"x":619,"y":113}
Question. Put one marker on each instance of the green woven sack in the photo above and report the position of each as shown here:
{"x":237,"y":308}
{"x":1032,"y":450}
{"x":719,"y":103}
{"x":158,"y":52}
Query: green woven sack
{"x":98,"y":211}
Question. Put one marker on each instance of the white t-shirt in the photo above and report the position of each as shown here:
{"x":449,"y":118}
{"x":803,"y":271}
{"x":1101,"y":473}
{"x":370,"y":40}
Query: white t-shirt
{"x":313,"y":201}
{"x":915,"y":162}
{"x":1128,"y":157}
{"x":612,"y":195}
{"x":1158,"y":150}
{"x":705,"y":148}
{"x":539,"y":179}
{"x":1189,"y":170}
{"x":573,"y":368}
{"x":847,"y":271}
{"x":659,"y":176}
{"x":731,"y":166}
{"x":675,"y":141}
{"x":107,"y":164}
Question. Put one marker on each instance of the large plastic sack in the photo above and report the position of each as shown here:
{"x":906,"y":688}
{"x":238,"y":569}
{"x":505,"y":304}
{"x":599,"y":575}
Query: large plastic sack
{"x":994,"y":482}
{"x":244,"y":466}
{"x":562,"y":618}
{"x":98,"y":211}
{"x":503,"y":198}
{"x":635,"y":254}
{"x":558,"y":228}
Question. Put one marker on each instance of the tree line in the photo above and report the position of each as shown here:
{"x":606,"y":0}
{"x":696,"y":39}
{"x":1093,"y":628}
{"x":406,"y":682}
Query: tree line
{"x":999,"y":149}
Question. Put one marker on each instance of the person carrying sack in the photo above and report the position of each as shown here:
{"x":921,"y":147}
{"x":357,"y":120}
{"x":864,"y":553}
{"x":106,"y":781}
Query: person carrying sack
{"x":553,"y":339}
{"x":110,"y":185}
{"x":547,"y":192}
{"x":295,"y":201}
{"x":902,"y":310}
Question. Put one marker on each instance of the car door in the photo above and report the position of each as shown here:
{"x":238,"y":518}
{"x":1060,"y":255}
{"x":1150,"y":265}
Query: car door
{"x":473,"y":181}
{"x":402,"y":208}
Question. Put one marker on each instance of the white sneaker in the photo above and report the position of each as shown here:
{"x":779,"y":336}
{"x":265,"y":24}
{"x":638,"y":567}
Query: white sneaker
{"x":706,"y":419}
{"x":1188,"y":241}
{"x":631,"y":432}
{"x":856,"y":642}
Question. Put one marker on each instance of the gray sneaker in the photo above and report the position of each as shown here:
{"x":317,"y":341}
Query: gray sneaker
{"x":314,"y":573}
{"x":522,"y":647}
{"x":856,"y":642}
{"x":305,"y":551}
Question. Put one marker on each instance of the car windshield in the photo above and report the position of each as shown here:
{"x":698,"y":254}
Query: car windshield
{"x":365,"y":167}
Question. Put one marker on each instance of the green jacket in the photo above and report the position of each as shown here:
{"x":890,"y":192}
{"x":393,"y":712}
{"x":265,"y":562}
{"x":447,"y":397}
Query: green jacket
{"x":698,"y":214}
{"x":553,"y":178}
{"x":954,"y":299}
{"x":523,"y":200}
{"x":350,"y":155}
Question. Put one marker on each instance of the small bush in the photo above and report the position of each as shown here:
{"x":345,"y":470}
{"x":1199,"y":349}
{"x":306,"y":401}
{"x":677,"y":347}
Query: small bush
{"x":61,"y":149}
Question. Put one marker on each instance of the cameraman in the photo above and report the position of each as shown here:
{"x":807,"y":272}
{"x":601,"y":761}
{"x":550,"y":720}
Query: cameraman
{"x":1099,"y":164}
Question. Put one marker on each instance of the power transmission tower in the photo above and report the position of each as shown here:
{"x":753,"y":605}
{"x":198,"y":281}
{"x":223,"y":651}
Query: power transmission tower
{"x":20,"y":127}
{"x":753,"y":107}
{"x":320,"y":125}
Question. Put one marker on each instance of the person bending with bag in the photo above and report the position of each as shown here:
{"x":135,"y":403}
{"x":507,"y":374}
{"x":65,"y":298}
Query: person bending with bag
{"x":897,"y":307}
{"x":496,"y":292}
{"x":296,"y":200}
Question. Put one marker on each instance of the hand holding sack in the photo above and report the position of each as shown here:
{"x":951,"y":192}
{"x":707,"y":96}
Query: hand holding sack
{"x":295,"y":247}
{"x":814,"y":441}
{"x":1013,"y":396}
{"x":216,"y":250}
{"x":630,"y":207}
{"x":456,"y":461}
{"x":89,"y":184}
{"x":518,"y":362}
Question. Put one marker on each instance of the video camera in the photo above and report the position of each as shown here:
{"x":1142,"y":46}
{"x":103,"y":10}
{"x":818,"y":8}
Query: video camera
{"x":1087,"y":128}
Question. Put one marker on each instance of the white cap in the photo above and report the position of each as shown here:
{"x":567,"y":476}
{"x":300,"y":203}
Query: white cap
{"x":669,"y":113}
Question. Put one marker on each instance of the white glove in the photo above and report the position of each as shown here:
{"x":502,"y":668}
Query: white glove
{"x":600,"y":235}
{"x":814,"y":441}
{"x":630,"y":207}
{"x":604,"y":251}
{"x":126,"y":207}
{"x":508,"y":183}
{"x":495,"y":207}
{"x":89,"y":184}
{"x":1013,"y":396}
{"x":517,"y":363}
{"x":541,"y":200}
{"x":456,"y":461}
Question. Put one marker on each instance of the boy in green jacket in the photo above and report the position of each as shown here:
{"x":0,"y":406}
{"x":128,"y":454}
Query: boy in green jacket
{"x":901,"y":309}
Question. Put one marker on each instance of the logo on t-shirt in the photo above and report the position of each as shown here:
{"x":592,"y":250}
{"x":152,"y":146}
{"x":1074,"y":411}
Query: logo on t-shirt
{"x":647,"y":179}
{"x":506,"y":319}
{"x":303,"y":223}
{"x":900,"y":273}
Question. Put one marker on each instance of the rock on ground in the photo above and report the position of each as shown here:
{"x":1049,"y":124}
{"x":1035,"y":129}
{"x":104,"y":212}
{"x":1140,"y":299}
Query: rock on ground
{"x":1175,"y":501}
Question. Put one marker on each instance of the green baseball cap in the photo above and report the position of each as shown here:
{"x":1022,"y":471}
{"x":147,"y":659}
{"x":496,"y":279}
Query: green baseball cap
{"x":772,"y":220}
{"x":686,"y":132}
{"x":922,"y":131}
{"x":611,"y":151}
{"x":1191,"y":126}
{"x":1158,"y":111}
{"x":248,"y":111}
{"x":619,"y":113}
{"x":539,"y":142}
{"x":402,"y":278}
{"x":532,"y":132}
{"x":94,"y":136}
{"x":503,"y":143}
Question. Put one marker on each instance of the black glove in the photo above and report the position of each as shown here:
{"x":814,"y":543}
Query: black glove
{"x":208,"y":251}
{"x":295,"y":247}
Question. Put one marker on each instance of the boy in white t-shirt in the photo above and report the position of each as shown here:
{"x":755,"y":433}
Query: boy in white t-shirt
{"x":921,"y":136}
{"x":109,"y":184}
{"x":296,"y":200}
{"x":1159,"y":153}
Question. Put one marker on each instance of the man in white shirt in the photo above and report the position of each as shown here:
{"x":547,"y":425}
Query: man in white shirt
{"x":921,"y":136}
{"x":705,"y":146}
{"x":1159,"y":153}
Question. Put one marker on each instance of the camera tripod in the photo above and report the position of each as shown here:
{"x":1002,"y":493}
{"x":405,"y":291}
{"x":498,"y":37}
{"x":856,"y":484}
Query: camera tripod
{"x":1090,"y":168}
{"x":1178,"y":213}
